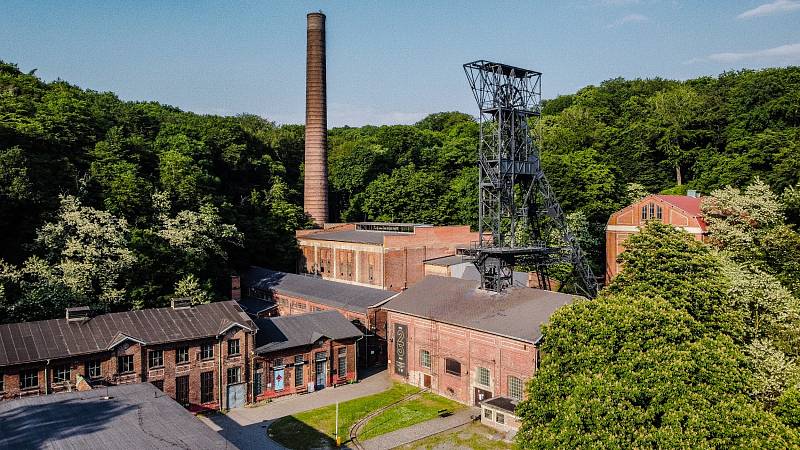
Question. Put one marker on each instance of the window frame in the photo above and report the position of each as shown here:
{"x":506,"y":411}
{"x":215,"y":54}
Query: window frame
{"x":182,"y":355}
{"x":488,"y":414}
{"x":95,"y":363}
{"x":341,"y":360}
{"x":479,"y":377}
{"x":207,"y":381}
{"x":155,"y":359}
{"x":500,"y":418}
{"x":448,"y":370}
{"x":123,"y":361}
{"x":424,"y":358}
{"x":232,"y":343}
{"x":512,"y":387}
{"x":25,"y":377}
{"x":235,"y":370}
{"x":206,"y":351}
{"x":2,"y":382}
{"x":59,"y":375}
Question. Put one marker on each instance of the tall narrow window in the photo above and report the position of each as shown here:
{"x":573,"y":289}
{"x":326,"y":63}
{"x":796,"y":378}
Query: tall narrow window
{"x":659,"y":214}
{"x":2,"y":383}
{"x":206,"y":387}
{"x":298,"y":370}
{"x":207,"y":351}
{"x":342,"y":362}
{"x":233,"y":347}
{"x":483,"y":376}
{"x":425,"y":359}
{"x":644,"y":212}
{"x":515,"y":388}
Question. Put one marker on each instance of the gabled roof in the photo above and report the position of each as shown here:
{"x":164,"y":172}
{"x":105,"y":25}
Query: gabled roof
{"x":280,"y":333}
{"x":691,"y":205}
{"x":349,"y":297}
{"x":60,"y":338}
{"x":517,"y":313}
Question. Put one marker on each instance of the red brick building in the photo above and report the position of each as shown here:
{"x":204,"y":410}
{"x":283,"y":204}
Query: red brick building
{"x":466,"y":343}
{"x":198,"y":355}
{"x":680,"y":211}
{"x":384,"y":255}
{"x":291,"y":294}
{"x":304,"y":353}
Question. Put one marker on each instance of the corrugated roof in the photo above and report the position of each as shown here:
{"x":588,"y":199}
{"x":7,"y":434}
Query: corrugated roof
{"x":353,"y":236}
{"x":349,"y":297}
{"x":59,"y":338}
{"x":516,"y":313}
{"x":137,"y":416}
{"x":279,"y":333}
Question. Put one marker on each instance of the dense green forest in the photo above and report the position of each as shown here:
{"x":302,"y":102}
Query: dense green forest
{"x":124,"y":204}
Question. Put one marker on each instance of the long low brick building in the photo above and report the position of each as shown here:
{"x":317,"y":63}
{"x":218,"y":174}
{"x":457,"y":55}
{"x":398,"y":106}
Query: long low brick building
{"x":472,"y":345}
{"x":292,"y":294}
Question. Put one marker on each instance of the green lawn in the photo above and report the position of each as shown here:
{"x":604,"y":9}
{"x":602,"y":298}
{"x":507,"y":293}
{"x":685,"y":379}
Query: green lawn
{"x":474,"y":436}
{"x":314,"y":428}
{"x":420,"y":409}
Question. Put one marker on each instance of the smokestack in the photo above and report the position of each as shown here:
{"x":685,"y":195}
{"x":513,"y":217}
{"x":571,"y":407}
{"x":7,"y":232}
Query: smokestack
{"x":315,"y":196}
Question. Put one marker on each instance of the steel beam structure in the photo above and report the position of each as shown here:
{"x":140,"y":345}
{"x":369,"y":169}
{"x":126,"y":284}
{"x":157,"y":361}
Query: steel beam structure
{"x":520,"y":221}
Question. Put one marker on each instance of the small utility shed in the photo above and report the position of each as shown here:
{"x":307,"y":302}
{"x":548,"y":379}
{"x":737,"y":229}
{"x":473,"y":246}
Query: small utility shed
{"x":466,"y":343}
{"x":300,"y":294}
{"x":135,"y":416}
{"x":303,"y":353}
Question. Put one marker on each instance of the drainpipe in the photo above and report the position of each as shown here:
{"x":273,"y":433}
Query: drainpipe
{"x":46,"y":377}
{"x":365,"y":353}
{"x":219,"y":370}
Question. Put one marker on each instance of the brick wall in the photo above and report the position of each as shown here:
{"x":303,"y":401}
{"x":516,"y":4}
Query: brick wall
{"x":503,"y":357}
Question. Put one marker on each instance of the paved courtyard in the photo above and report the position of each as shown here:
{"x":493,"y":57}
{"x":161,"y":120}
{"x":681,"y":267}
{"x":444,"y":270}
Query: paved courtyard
{"x":246,"y":427}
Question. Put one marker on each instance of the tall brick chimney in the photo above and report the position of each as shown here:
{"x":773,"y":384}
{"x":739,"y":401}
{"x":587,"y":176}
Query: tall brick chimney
{"x":315,"y":196}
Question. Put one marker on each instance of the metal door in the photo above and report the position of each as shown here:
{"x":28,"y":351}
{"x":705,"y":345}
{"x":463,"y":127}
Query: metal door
{"x":426,"y":381}
{"x":319,"y":369}
{"x":236,"y":395}
{"x":481,"y":395}
{"x":182,"y":390}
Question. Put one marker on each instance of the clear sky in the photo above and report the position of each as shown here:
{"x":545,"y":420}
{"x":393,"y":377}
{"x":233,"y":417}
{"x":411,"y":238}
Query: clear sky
{"x":388,"y":62}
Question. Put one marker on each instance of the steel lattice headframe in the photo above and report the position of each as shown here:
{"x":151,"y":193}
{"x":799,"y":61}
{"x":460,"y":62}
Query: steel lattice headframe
{"x":520,"y":221}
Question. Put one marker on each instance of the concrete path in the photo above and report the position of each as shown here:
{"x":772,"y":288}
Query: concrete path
{"x":246,"y":427}
{"x":421,"y":430}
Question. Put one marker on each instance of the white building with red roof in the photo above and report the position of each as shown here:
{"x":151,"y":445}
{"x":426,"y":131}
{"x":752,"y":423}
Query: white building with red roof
{"x":681,"y":211}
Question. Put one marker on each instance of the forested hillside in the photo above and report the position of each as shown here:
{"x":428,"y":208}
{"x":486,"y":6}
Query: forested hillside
{"x":125,"y":204}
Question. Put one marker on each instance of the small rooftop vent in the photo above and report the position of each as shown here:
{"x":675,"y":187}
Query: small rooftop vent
{"x":78,"y":313}
{"x":181,"y":303}
{"x":693,"y":193}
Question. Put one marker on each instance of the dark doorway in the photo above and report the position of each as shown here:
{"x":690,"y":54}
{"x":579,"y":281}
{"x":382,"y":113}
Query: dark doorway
{"x":481,"y":395}
{"x":182,"y":390}
{"x":426,"y":381}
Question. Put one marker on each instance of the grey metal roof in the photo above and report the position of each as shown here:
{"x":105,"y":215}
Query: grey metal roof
{"x":59,"y":338}
{"x":446,"y":261}
{"x":516,"y":313}
{"x":353,"y":236}
{"x":137,"y":416}
{"x":349,"y":297}
{"x":255,"y":305}
{"x":468,"y":271}
{"x":279,"y":333}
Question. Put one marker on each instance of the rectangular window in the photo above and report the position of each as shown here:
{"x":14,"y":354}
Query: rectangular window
{"x":234,"y":375}
{"x":652,"y":210}
{"x":182,"y":355}
{"x":277,"y":362}
{"x":425,"y":359}
{"x":342,"y":366}
{"x":499,"y":418}
{"x":62,"y":374}
{"x":29,"y":379}
{"x":155,"y":359}
{"x":298,"y":371}
{"x":233,"y":347}
{"x":452,"y":367}
{"x":320,"y":356}
{"x":644,"y":212}
{"x":2,"y":383}
{"x":487,"y":414}
{"x":125,"y":364}
{"x":206,"y":351}
{"x":159,"y":384}
{"x":483,"y":376}
{"x":93,"y":370}
{"x":515,"y":388}
{"x":206,"y":387}
{"x":659,"y":213}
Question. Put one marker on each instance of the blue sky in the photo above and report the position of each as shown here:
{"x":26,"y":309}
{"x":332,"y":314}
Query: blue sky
{"x":388,"y":62}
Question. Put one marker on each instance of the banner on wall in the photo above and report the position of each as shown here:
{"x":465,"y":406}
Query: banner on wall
{"x":401,"y":349}
{"x":279,"y":379}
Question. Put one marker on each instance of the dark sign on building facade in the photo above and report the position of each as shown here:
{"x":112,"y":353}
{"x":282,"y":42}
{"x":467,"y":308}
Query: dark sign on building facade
{"x":401,"y":349}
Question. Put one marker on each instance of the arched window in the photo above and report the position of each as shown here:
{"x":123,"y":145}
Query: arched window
{"x":652,"y":211}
